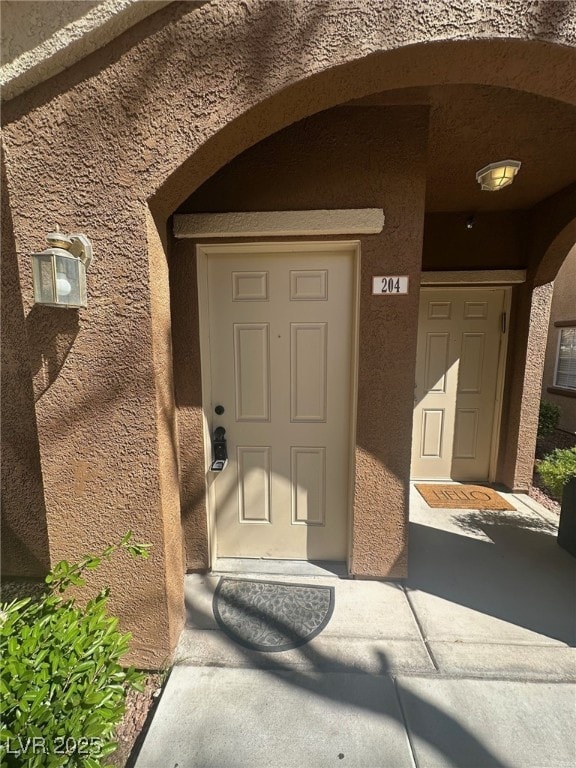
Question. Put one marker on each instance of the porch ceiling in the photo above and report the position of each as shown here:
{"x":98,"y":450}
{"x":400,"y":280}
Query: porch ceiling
{"x":471,"y":126}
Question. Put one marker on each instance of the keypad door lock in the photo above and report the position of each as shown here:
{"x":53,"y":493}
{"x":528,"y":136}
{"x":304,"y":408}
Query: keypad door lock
{"x":220,"y":451}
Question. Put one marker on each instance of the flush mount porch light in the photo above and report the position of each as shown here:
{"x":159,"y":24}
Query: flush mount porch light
{"x":497,"y":175}
{"x":59,"y":272}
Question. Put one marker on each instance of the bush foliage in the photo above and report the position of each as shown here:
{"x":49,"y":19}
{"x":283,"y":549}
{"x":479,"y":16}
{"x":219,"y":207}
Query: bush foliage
{"x":556,"y":469}
{"x":548,"y":418}
{"x":62,"y":688}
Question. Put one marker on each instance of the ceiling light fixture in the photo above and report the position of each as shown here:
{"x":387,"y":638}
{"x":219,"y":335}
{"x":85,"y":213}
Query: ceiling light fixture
{"x":497,"y":175}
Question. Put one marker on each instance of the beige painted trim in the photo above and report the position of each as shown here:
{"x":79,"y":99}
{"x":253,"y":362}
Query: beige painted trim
{"x":472,"y":277}
{"x":354,"y":395}
{"x":203,"y":252}
{"x":206,"y":377}
{"x":500,"y":387}
{"x":359,"y":221}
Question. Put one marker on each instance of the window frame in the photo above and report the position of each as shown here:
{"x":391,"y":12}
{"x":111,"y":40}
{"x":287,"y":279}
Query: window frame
{"x":563,"y":387}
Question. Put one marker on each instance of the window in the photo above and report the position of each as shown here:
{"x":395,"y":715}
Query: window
{"x":566,"y":359}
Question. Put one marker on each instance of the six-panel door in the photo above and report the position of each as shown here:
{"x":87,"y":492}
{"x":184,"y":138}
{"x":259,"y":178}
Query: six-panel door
{"x":459,"y":334}
{"x":280,"y":340}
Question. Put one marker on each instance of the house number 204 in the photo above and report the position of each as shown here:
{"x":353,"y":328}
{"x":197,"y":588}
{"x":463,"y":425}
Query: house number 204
{"x":388,"y":285}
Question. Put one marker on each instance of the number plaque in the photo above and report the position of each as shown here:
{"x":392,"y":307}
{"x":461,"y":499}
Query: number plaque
{"x":389,"y":285}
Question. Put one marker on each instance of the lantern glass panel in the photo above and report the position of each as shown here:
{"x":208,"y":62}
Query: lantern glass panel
{"x":42,"y":268}
{"x":69,"y":273}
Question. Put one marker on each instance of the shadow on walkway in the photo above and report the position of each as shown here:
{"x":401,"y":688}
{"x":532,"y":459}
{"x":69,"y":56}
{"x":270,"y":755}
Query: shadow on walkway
{"x":518,"y":575}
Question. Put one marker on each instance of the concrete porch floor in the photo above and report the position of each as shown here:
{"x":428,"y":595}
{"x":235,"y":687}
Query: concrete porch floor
{"x":471,"y":662}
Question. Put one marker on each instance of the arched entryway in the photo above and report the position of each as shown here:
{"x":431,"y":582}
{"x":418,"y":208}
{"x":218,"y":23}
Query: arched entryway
{"x":352,"y":156}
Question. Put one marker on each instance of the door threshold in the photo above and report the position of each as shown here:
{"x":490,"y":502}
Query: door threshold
{"x":245,"y":565}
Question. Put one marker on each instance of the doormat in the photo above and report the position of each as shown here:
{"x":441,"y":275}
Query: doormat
{"x":271,"y":616}
{"x":462,"y":497}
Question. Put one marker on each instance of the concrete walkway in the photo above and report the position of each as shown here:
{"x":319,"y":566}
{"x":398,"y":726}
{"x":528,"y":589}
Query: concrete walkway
{"x":471,"y":663}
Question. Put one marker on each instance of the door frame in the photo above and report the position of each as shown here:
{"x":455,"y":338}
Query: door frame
{"x":203,"y":253}
{"x":502,"y":355}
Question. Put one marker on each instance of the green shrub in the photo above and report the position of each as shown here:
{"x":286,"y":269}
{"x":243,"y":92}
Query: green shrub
{"x":557,"y":468}
{"x":548,"y":418}
{"x":62,"y":689}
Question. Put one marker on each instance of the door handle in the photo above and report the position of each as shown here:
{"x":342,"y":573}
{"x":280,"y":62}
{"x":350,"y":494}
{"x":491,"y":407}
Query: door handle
{"x":219,"y":450}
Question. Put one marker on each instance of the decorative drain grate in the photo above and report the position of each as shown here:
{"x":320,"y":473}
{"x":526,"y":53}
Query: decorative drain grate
{"x":271,"y":616}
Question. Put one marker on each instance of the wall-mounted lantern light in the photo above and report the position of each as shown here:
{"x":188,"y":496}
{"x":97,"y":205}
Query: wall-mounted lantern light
{"x":497,"y":175}
{"x":59,"y":272}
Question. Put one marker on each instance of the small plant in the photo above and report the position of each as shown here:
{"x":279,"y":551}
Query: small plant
{"x":556,"y":469}
{"x":62,"y":688}
{"x":547,"y":419}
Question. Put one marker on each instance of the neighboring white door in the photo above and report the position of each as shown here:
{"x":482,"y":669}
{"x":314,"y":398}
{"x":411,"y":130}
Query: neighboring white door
{"x":281,"y":336}
{"x":459,"y":336}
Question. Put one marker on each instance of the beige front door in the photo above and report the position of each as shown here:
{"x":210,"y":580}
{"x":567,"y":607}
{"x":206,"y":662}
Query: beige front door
{"x":459,"y":337}
{"x":281,"y":342}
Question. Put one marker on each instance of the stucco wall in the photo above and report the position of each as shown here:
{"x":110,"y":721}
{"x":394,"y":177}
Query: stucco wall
{"x":344,"y":158}
{"x":24,"y":536}
{"x":496,"y":241}
{"x":149,"y":118}
{"x":40,"y":39}
{"x":188,"y":397}
{"x":526,"y":348}
{"x":563,"y":309}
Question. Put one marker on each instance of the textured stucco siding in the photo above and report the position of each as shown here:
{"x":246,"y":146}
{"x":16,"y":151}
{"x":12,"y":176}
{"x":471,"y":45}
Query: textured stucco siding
{"x":40,"y":39}
{"x":24,"y":536}
{"x":526,"y":349}
{"x":145,"y":121}
{"x":496,"y":241}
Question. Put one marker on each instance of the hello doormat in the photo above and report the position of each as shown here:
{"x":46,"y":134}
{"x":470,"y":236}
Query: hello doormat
{"x":271,"y":616}
{"x":462,"y":497}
